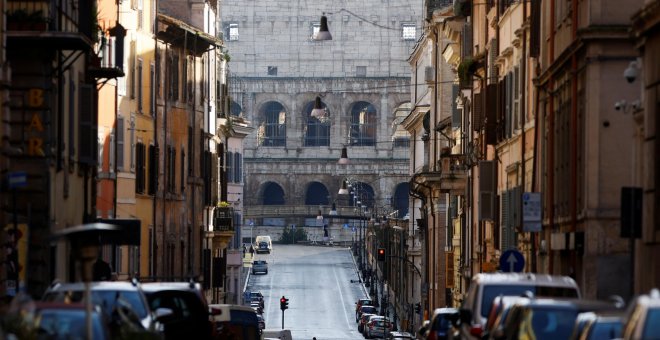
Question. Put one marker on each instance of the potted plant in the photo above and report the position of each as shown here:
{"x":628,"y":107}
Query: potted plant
{"x":464,"y":72}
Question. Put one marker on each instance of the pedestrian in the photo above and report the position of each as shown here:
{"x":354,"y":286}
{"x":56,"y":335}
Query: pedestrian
{"x":251,"y":250}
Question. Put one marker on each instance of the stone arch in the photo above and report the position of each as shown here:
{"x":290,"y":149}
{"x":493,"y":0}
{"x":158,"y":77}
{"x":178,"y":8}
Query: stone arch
{"x":272,"y":124}
{"x":272,"y":194}
{"x":401,"y":199}
{"x":317,"y":128}
{"x":235,"y":109}
{"x":363,"y":124}
{"x":317,"y":194}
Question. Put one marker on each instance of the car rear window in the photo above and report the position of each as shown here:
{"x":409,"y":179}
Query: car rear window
{"x":652,"y":324}
{"x":107,"y":299}
{"x":490,"y":292}
{"x":368,"y":309}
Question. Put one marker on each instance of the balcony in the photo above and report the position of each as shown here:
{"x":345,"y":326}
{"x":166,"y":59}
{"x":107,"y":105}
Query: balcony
{"x":453,"y":174}
{"x":37,"y":23}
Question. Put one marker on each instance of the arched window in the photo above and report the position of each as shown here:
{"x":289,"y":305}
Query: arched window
{"x":401,"y":199}
{"x":362,"y":131}
{"x":273,"y":194}
{"x":317,"y":130}
{"x":317,"y":194}
{"x":273,"y":127}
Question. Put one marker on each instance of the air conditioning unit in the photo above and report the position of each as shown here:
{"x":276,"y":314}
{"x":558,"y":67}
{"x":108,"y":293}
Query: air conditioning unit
{"x":429,"y":74}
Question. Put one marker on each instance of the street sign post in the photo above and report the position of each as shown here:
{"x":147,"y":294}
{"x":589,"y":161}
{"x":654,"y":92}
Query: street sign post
{"x":532,"y":211}
{"x":512,"y":261}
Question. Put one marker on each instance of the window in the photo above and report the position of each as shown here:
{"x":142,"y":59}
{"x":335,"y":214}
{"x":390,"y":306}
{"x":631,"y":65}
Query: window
{"x":173,"y":69}
{"x":273,"y":130}
{"x":153,"y":169}
{"x":183,"y":170}
{"x":272,"y":70}
{"x":152,"y":89}
{"x":140,"y":155}
{"x":131,"y":141}
{"x":171,"y":167}
{"x":317,"y":130}
{"x":232,"y":32}
{"x":401,"y":142}
{"x":360,"y":71}
{"x":229,"y":167}
{"x":139,"y":85}
{"x":131,"y":59}
{"x":237,"y":168}
{"x":120,"y":143}
{"x":316,"y":27}
{"x":140,"y":15}
{"x":408,"y":31}
{"x":362,"y":131}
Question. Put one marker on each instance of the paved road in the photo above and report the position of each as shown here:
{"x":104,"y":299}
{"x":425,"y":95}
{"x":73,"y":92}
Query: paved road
{"x":317,"y":282}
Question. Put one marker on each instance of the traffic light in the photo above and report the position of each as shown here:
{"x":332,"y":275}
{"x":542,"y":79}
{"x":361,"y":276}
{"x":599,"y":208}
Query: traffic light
{"x":284,"y":303}
{"x":381,"y":254}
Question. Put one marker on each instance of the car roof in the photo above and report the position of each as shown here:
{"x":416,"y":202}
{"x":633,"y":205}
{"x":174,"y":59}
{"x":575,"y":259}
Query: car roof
{"x":537,"y":279}
{"x":445,"y":310}
{"x":156,"y":286}
{"x":96,"y":285}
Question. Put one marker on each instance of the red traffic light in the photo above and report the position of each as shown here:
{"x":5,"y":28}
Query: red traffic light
{"x":282,"y":300}
{"x":381,"y":254}
{"x":381,"y":251}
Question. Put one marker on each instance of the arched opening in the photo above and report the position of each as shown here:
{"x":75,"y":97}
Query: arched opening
{"x":317,"y":129}
{"x":273,"y":194}
{"x":317,"y":194}
{"x":401,"y":199}
{"x":272,"y":131}
{"x":362,"y":131}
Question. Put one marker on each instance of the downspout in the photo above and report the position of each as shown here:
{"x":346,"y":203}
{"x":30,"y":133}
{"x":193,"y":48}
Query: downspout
{"x":165,"y":159}
{"x":192,"y":148}
{"x":551,"y":138}
{"x":154,"y":202}
{"x":574,"y":134}
{"x":523,"y":115}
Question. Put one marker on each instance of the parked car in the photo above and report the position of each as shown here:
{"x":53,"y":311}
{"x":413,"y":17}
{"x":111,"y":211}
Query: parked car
{"x":363,"y":321}
{"x":57,"y":320}
{"x":262,"y":322}
{"x":367,"y":309}
{"x":259,"y":266}
{"x":642,"y":320}
{"x":190,"y":311}
{"x":595,"y":326}
{"x":499,"y":310}
{"x":400,"y":336}
{"x":486,"y":286}
{"x":377,"y":327}
{"x":546,"y":318}
{"x":113,"y":297}
{"x":442,"y":323}
{"x":256,"y":297}
{"x":359,"y":303}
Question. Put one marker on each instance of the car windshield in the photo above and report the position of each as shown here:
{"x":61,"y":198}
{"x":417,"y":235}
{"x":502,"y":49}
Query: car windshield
{"x":652,"y":324}
{"x":490,"y":292}
{"x":549,"y":323}
{"x":441,"y":322}
{"x":107,"y":299}
{"x":368,"y":309}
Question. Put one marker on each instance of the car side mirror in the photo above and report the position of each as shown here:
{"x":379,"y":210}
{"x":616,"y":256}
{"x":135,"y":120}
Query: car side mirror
{"x":163,"y":314}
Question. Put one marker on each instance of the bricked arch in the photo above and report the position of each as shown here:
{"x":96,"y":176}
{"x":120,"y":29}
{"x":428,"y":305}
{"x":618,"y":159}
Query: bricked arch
{"x":317,"y":194}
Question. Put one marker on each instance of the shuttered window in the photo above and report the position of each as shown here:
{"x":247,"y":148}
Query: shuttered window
{"x":120,"y":143}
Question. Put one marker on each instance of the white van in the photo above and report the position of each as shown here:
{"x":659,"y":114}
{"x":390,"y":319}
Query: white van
{"x":486,"y":286}
{"x":263,"y":238}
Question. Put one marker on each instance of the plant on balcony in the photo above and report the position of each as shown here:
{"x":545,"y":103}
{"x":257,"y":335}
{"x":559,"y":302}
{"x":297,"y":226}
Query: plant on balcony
{"x":464,"y":72}
{"x":22,"y":20}
{"x":224,"y":204}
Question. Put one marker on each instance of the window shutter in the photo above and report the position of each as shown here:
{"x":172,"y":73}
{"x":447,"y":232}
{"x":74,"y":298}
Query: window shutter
{"x":477,"y":111}
{"x":229,"y":167}
{"x":466,"y":50}
{"x":508,"y":102}
{"x":120,"y":143}
{"x":486,"y":190}
{"x":535,"y":29}
{"x":87,"y":141}
{"x":153,"y":169}
{"x":505,"y":222}
{"x":491,"y":114}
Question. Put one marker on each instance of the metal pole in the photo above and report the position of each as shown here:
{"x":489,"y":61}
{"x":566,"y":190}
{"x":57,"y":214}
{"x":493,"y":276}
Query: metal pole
{"x":282,"y":319}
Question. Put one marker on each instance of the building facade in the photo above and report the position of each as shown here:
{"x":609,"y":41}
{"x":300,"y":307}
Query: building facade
{"x":361,"y":83}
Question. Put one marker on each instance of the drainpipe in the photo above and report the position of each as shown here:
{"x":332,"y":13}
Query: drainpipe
{"x":523,"y":114}
{"x":574,"y":135}
{"x":551,"y":138}
{"x":165,"y":167}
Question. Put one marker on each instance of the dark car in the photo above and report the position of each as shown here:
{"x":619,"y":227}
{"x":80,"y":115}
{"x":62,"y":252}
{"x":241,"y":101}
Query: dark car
{"x":190,"y":312}
{"x":441,"y":324}
{"x":55,"y":320}
{"x":262,"y":247}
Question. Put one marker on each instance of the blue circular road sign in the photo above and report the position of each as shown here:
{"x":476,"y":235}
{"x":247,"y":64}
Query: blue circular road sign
{"x":512,"y":261}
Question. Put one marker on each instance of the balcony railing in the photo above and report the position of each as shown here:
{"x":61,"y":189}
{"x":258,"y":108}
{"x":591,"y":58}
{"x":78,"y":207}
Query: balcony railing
{"x":223,"y":219}
{"x":453,"y":173}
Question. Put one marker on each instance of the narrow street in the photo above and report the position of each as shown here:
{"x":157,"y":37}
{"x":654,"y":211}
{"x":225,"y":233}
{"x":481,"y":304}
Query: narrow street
{"x":322,"y":286}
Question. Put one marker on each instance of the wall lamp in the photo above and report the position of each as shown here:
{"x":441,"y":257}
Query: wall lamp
{"x":319,"y":112}
{"x":344,"y":188}
{"x":323,"y":33}
{"x":343,"y":160}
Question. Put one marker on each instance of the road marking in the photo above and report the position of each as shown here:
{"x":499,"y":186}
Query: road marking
{"x":341,"y":296}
